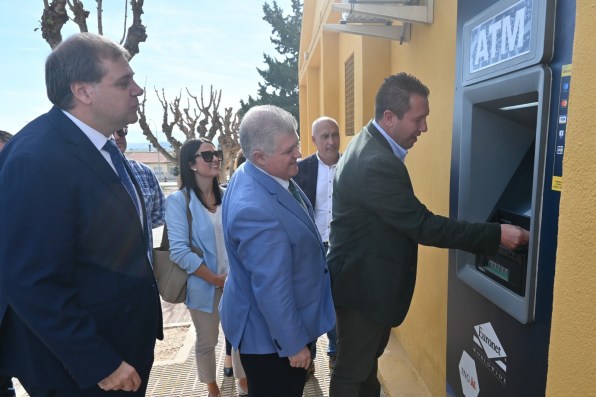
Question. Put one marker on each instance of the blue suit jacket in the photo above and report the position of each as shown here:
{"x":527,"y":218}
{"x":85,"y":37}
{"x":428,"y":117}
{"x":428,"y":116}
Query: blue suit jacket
{"x":277,"y":295}
{"x":77,"y":292}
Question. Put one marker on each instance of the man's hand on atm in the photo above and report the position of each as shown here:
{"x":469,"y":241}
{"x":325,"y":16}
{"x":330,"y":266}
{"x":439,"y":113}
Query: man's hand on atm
{"x":513,"y":237}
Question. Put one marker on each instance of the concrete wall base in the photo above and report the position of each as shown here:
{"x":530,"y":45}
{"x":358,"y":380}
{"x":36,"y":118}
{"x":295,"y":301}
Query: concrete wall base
{"x":397,"y":375}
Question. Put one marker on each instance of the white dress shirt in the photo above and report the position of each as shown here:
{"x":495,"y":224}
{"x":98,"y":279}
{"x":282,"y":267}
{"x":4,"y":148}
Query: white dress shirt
{"x":99,"y":140}
{"x":324,"y":198}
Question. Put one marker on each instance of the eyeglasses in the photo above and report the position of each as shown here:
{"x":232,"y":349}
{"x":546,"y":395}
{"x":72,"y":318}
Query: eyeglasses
{"x":122,"y":133}
{"x":208,"y":156}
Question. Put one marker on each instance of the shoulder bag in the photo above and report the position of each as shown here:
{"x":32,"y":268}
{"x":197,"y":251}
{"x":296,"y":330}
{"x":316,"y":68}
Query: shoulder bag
{"x":171,"y":278}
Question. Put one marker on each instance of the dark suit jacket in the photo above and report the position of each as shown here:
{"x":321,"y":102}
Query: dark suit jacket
{"x":77,"y":292}
{"x":377,"y":225}
{"x":308,"y":171}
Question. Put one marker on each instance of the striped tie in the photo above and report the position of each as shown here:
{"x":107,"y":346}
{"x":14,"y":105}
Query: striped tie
{"x":118,"y":161}
{"x":294,"y":190}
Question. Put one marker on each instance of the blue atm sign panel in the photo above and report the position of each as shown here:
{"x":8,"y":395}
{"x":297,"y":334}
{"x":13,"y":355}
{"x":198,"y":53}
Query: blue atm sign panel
{"x":508,"y":36}
{"x":501,"y":38}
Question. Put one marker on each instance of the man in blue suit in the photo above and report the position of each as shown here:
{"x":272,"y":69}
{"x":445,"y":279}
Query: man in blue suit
{"x":277,"y":298}
{"x":79,"y":308}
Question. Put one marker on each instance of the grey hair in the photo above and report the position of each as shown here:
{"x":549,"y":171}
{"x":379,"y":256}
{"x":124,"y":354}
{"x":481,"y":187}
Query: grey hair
{"x":260,"y":126}
{"x":321,"y":120}
{"x":78,"y":59}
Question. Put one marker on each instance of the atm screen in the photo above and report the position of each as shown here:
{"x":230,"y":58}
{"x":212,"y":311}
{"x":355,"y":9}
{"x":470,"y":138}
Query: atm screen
{"x":500,"y":271}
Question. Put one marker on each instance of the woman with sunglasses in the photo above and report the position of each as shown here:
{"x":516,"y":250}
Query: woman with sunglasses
{"x":199,"y":169}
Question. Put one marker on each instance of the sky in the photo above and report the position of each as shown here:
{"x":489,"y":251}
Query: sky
{"x":191,"y":43}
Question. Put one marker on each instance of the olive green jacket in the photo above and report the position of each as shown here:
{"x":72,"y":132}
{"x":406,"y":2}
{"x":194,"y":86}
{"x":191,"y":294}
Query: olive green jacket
{"x":377,"y":225}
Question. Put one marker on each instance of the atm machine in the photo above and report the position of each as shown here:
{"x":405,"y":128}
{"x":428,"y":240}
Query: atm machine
{"x":513,"y":74}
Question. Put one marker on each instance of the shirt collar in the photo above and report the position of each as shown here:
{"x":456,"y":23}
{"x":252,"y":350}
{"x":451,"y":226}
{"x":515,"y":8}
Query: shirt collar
{"x":399,"y":151}
{"x":321,"y":162}
{"x":97,"y":138}
{"x":285,"y":184}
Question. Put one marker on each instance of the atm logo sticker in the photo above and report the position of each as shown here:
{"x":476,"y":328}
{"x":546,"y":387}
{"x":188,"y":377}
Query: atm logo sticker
{"x":505,"y":36}
{"x":488,"y":349}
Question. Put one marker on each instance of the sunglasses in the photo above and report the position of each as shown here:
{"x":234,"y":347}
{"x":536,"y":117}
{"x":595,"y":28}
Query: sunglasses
{"x":122,"y":133}
{"x":208,"y":156}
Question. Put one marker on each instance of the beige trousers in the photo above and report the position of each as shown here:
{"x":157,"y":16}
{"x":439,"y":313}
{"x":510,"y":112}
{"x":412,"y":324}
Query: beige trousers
{"x":207,"y":333}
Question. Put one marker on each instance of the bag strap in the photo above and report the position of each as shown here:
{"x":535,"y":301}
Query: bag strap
{"x":194,"y":249}
{"x":165,"y":242}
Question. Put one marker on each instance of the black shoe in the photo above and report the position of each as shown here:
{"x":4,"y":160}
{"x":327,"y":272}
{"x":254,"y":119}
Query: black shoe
{"x":332,"y":363}
{"x":228,"y":371}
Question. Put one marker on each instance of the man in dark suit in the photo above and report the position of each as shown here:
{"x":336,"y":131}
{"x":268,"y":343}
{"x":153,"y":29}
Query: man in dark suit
{"x":377,"y":225}
{"x":79,"y":308}
{"x":315,"y":178}
{"x":277,"y":297}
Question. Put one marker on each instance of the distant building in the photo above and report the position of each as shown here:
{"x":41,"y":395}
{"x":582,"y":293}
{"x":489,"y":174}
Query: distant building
{"x":163,"y":168}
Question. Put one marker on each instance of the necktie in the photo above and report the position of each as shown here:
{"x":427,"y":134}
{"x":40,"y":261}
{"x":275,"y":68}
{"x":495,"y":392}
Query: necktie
{"x":118,"y":161}
{"x":294,"y":190}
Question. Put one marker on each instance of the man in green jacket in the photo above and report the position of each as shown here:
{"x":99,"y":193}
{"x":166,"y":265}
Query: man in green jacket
{"x":377,"y":225}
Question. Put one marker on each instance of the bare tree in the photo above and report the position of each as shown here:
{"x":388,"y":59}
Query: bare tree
{"x":56,"y":14}
{"x":199,"y":118}
{"x":194,"y":117}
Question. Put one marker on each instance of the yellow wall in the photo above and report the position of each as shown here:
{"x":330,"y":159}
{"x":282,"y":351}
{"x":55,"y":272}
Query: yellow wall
{"x":429,"y":56}
{"x":572,"y":355}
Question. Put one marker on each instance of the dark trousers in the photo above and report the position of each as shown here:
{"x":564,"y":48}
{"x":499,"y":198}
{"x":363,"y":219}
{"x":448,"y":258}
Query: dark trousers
{"x":269,"y":375}
{"x":228,"y":348}
{"x":360,"y":342}
{"x":6,"y":387}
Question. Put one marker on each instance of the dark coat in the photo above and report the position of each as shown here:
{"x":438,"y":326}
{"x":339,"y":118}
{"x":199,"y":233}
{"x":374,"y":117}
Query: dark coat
{"x":377,"y":225}
{"x":308,"y":171}
{"x":77,"y":292}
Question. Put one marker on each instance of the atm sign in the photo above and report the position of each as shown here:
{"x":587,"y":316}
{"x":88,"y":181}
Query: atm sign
{"x":504,"y":36}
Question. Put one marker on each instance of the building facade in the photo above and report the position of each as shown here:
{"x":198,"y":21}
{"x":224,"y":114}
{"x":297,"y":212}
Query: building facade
{"x":163,"y":168}
{"x":343,"y":60}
